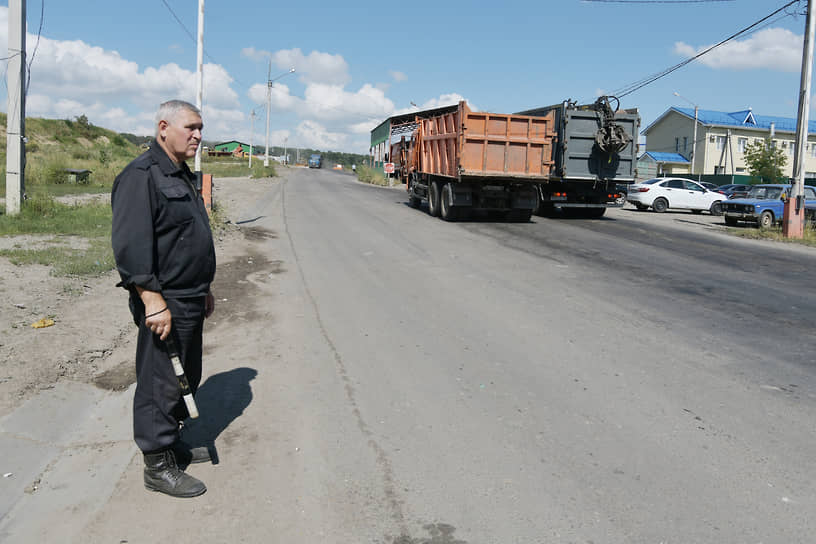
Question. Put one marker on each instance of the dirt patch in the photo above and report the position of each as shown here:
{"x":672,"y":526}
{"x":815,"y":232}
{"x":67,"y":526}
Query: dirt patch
{"x":93,"y":336}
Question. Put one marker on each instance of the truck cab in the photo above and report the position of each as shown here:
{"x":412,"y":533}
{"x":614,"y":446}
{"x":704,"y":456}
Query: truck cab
{"x":315,"y":161}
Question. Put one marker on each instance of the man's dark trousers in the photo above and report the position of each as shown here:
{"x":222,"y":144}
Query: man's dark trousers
{"x":157,"y":405}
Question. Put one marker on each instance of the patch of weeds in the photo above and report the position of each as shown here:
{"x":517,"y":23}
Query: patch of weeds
{"x":41,"y":214}
{"x":72,"y":290}
{"x":370,"y":175}
{"x":775,"y":234}
{"x":65,"y":261}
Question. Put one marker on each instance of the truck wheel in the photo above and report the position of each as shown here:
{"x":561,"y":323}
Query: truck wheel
{"x":433,"y":199}
{"x":766,"y":220}
{"x":448,"y":212}
{"x":660,"y":205}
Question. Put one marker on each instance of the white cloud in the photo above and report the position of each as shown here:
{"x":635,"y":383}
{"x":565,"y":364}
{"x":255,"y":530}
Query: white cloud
{"x":73,"y":77}
{"x":316,"y":67}
{"x":313,"y":134}
{"x":772,"y":48}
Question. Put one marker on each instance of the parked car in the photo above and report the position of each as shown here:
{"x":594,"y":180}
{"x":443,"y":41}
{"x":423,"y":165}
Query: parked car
{"x":739,"y":189}
{"x":763,"y":205}
{"x":708,"y":185}
{"x":660,"y":194}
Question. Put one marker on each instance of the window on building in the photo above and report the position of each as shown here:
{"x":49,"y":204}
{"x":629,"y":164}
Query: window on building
{"x":719,"y":169}
{"x":720,"y":143}
{"x":741,"y":143}
{"x":677,"y":145}
{"x":740,"y":170}
{"x":685,"y":143}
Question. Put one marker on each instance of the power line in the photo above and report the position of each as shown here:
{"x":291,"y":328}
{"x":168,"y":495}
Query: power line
{"x":629,"y":89}
{"x":658,"y":1}
{"x":193,"y":38}
{"x":34,"y":53}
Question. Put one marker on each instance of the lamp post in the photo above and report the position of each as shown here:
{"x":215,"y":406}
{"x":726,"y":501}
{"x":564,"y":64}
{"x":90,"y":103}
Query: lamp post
{"x":694,"y":137}
{"x":269,"y":104}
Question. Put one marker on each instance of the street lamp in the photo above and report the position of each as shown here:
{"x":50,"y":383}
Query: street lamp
{"x":269,"y":104}
{"x":694,"y":137}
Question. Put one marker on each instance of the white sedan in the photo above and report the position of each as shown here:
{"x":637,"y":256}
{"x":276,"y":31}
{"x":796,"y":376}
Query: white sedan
{"x":660,"y":194}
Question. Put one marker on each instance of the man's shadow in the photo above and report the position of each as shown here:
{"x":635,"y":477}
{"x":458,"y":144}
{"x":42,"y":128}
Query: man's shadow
{"x":221,"y":399}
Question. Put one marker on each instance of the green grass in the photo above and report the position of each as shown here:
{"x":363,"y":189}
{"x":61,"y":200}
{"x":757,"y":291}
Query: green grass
{"x":234,"y":168}
{"x":372,"y":176}
{"x":65,"y":261}
{"x":775,"y":233}
{"x":43,"y":215}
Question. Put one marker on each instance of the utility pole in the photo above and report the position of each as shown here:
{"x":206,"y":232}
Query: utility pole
{"x":15,"y":124}
{"x":199,"y":81}
{"x":269,"y":105}
{"x":285,"y":156}
{"x":251,"y":136}
{"x":793,"y":221}
{"x":694,"y":137}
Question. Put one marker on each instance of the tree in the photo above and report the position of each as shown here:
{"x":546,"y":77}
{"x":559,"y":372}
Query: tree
{"x":765,"y":160}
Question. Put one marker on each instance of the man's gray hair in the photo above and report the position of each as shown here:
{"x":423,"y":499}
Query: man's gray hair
{"x":170,"y":110}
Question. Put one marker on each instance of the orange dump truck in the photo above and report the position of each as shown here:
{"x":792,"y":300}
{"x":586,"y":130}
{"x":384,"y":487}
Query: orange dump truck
{"x":461,"y":161}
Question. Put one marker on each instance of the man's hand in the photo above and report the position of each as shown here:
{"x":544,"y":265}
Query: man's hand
{"x":209,"y":304}
{"x":157,"y":315}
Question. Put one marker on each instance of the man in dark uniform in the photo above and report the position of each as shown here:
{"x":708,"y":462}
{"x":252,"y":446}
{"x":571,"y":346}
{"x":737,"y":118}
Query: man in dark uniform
{"x":166,"y":258}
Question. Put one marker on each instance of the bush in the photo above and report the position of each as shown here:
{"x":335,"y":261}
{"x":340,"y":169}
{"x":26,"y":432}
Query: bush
{"x":370,"y":175}
{"x":54,"y":172}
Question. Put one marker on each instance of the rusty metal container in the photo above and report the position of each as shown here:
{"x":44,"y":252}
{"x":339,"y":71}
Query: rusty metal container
{"x":464,"y":144}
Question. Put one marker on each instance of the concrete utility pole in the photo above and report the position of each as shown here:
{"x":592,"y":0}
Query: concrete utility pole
{"x":269,"y":105}
{"x":793,"y":220}
{"x":694,"y":137}
{"x":15,"y":124}
{"x":200,"y":78}
{"x":251,"y":136}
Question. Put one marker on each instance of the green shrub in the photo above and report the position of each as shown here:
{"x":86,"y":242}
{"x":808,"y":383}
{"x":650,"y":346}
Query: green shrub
{"x":370,"y":175}
{"x":54,"y":172}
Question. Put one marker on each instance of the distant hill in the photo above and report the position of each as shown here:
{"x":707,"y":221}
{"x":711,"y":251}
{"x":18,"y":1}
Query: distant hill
{"x":58,"y":144}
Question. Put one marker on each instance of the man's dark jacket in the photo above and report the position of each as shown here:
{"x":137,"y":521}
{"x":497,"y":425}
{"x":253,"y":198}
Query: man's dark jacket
{"x":161,"y":233}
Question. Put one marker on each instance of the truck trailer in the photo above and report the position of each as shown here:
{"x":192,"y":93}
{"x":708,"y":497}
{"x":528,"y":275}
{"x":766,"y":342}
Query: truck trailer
{"x":568,"y":157}
{"x":595,"y":149}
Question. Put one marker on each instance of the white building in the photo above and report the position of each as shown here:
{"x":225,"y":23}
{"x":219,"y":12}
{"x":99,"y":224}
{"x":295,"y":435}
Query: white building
{"x":721,"y":140}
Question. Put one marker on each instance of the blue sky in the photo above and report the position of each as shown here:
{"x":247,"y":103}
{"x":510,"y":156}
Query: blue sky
{"x":357,"y":63}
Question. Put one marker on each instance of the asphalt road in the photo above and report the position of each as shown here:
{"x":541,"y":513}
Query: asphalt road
{"x":382,"y":376}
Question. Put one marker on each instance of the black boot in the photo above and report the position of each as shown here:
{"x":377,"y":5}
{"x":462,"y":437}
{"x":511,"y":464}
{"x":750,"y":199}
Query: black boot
{"x":188,"y":455}
{"x":162,"y":474}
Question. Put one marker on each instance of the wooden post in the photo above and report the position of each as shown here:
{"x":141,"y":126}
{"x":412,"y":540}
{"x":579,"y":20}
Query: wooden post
{"x":206,"y":191}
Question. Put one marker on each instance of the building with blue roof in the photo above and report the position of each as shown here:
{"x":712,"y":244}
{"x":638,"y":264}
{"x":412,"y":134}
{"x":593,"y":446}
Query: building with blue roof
{"x":721,"y":141}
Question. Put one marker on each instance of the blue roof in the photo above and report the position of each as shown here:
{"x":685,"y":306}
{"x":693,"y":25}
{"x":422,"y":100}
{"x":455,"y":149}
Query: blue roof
{"x":666,"y":157}
{"x":745,"y":119}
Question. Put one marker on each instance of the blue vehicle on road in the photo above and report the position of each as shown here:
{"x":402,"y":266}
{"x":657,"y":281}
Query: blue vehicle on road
{"x":315,"y":161}
{"x":764,"y":204}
